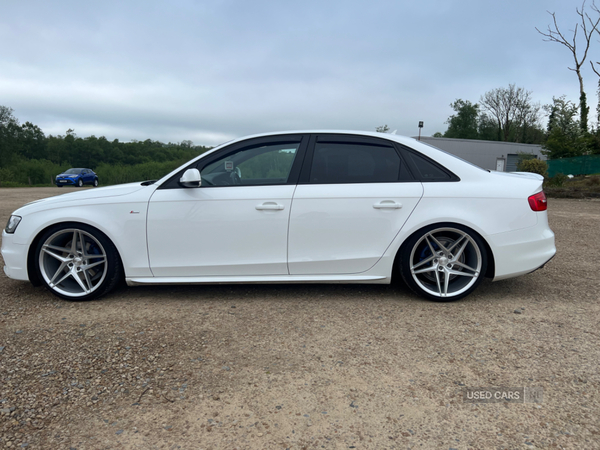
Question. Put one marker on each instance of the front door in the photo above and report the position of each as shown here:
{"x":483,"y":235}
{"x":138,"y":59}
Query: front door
{"x":235,"y":224}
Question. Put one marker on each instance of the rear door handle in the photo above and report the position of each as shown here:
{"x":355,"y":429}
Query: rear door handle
{"x":387,"y":204}
{"x":272,"y":206}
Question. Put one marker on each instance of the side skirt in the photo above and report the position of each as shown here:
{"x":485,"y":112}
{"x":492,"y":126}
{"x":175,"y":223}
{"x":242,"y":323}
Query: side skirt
{"x":325,"y":279}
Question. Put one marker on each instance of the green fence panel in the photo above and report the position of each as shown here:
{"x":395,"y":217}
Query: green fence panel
{"x":579,"y":165}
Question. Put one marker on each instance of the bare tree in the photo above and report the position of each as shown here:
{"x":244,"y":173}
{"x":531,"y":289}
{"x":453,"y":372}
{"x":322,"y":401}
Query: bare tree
{"x":512,"y":110}
{"x":598,"y":105}
{"x":555,"y":35}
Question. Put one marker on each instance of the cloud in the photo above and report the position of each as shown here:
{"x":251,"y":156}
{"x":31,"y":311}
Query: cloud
{"x":212,"y":70}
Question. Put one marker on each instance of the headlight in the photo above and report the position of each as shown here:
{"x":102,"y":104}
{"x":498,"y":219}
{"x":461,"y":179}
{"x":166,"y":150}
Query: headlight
{"x":12,"y":224}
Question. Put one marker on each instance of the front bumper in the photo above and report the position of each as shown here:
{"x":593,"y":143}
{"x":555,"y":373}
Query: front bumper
{"x":15,"y":258}
{"x":65,"y":181}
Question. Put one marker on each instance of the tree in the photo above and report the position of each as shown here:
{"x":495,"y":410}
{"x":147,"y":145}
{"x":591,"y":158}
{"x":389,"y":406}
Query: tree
{"x":598,"y":93}
{"x":33,"y":141}
{"x":562,"y":114}
{"x":555,"y":35}
{"x":463,"y":124}
{"x":6,"y":116}
{"x":564,"y":135}
{"x":513,"y":112}
{"x":533,"y":165}
{"x":9,"y":136}
{"x":382,"y":129}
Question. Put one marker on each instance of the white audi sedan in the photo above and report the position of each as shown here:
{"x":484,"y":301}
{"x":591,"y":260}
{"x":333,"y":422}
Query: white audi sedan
{"x":301,"y":207}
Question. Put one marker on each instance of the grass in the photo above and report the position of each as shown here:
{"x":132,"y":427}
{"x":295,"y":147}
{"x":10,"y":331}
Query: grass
{"x":582,"y":186}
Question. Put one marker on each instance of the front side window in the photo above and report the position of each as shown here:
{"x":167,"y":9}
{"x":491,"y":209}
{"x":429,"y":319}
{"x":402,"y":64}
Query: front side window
{"x":341,"y":162}
{"x":254,"y":166}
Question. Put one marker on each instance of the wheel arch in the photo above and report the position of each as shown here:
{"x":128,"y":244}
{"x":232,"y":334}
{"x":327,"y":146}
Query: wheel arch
{"x":491,"y":266}
{"x":32,"y":273}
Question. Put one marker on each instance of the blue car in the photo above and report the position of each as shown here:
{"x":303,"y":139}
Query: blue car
{"x":77,"y":177}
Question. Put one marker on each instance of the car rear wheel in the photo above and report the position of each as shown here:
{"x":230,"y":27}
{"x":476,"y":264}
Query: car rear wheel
{"x":95,"y":182}
{"x":443,"y":263}
{"x":77,"y":262}
{"x":80,"y":182}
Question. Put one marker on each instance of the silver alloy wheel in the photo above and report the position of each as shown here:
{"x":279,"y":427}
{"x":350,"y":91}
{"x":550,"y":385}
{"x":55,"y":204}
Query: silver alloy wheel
{"x":445,"y":262}
{"x":73,"y":262}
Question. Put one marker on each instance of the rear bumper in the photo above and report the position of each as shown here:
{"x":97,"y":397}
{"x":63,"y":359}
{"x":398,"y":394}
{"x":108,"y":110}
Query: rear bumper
{"x":522,"y":251}
{"x":15,"y":258}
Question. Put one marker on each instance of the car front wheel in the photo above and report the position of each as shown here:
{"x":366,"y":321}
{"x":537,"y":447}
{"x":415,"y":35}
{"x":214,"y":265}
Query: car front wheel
{"x":443,"y":263}
{"x":80,"y":182}
{"x":77,"y":262}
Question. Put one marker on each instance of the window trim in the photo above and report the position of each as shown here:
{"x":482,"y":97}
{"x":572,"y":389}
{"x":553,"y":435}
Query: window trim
{"x":301,"y":139}
{"x":349,"y":139}
{"x":414,"y":171}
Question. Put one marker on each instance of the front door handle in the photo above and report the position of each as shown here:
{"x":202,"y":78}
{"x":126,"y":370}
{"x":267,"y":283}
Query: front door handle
{"x":387,"y":204}
{"x":271,"y":206}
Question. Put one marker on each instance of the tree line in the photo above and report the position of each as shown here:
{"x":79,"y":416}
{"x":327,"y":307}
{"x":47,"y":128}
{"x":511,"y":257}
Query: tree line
{"x":29,"y":157}
{"x":510,"y":114}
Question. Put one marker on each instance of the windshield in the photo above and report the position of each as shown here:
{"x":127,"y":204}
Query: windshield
{"x":73,"y":171}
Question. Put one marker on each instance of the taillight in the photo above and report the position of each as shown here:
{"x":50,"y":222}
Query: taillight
{"x":538,"y":202}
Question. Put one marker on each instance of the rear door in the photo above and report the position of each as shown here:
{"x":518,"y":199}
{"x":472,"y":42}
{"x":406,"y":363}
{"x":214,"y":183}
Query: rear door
{"x":354,"y":196}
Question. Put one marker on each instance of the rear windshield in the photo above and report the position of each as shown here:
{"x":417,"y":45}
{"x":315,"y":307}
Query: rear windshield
{"x":454,"y":156}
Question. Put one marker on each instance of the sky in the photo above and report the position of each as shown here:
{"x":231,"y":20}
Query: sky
{"x":209,"y":71}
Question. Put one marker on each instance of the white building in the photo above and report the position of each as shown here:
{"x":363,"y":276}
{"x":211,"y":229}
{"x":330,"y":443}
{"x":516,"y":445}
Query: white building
{"x":492,"y":155}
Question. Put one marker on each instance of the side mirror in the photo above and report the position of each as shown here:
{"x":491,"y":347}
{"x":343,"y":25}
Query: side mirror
{"x":191,"y":179}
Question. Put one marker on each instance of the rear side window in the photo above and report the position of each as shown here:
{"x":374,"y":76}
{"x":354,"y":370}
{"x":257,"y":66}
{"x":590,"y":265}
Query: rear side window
{"x":426,"y":170}
{"x":344,"y":162}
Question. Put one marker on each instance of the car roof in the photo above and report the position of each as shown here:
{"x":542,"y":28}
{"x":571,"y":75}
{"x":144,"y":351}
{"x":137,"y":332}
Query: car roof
{"x":398,"y":138}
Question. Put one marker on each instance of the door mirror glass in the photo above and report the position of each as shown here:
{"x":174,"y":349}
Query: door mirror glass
{"x":191,"y":178}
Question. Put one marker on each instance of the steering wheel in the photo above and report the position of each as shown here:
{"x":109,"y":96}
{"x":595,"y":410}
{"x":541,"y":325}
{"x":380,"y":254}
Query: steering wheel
{"x":235,"y":178}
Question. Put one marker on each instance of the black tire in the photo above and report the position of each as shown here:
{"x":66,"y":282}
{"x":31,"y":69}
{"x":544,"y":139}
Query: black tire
{"x":59,"y":185}
{"x":77,"y":262}
{"x":95,"y":182}
{"x":443,"y":262}
{"x":80,"y":183}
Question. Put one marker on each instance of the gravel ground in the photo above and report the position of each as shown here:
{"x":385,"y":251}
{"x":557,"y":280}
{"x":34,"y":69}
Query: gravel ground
{"x":307,"y":366}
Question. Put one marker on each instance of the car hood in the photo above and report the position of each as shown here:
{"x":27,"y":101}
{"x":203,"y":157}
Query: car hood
{"x":81,"y":197}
